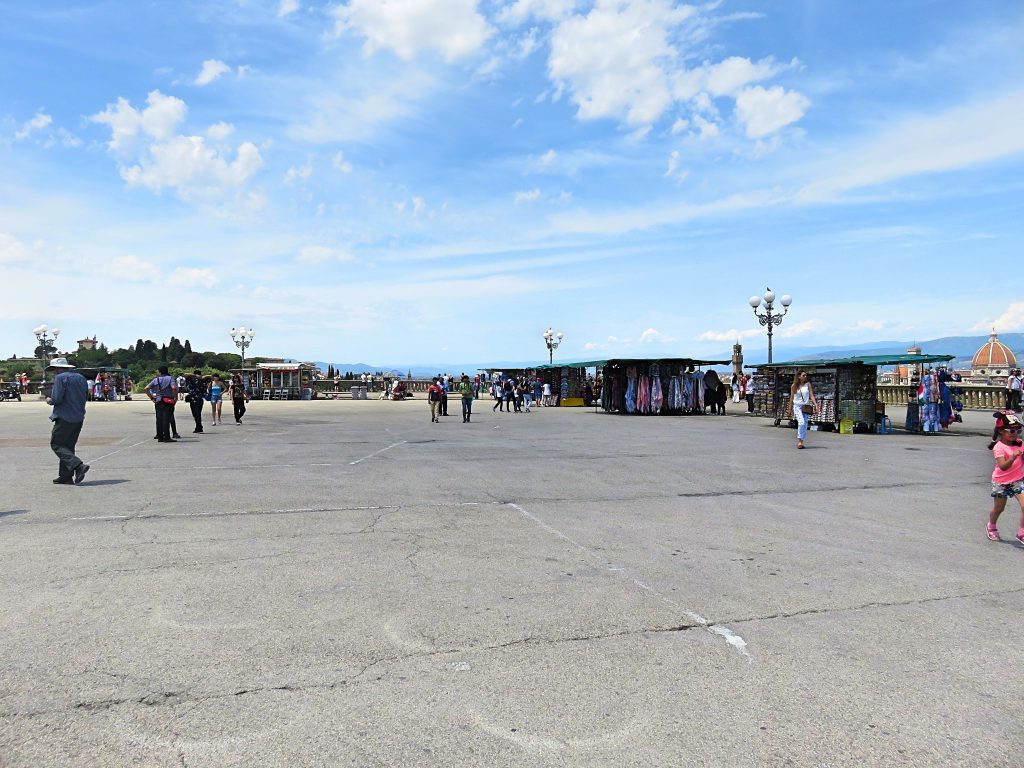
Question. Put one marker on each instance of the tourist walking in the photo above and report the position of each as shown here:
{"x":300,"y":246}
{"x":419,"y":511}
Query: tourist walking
{"x":547,"y":394}
{"x":195,"y":396}
{"x":1008,"y":474}
{"x":216,"y":398}
{"x":1013,"y":390}
{"x":163,"y":391}
{"x":445,"y":385}
{"x":498,"y":393}
{"x":735,"y":389}
{"x":239,"y":397}
{"x":803,"y":403}
{"x":748,"y":392}
{"x":434,"y":398}
{"x":68,"y":396}
{"x":466,"y":390}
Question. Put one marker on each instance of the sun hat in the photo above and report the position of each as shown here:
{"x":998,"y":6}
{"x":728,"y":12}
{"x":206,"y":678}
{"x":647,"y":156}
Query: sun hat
{"x":59,"y":362}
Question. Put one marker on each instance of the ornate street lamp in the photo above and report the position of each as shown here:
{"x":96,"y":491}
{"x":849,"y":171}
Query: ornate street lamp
{"x":552,"y":339}
{"x":769,"y":317}
{"x":45,"y":339}
{"x":242,"y":337}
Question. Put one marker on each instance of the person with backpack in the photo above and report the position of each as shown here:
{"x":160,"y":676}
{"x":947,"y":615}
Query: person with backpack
{"x":163,"y":391}
{"x":434,"y":398}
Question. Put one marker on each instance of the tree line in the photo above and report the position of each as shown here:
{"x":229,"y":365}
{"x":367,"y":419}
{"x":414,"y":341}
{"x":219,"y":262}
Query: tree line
{"x":142,"y":359}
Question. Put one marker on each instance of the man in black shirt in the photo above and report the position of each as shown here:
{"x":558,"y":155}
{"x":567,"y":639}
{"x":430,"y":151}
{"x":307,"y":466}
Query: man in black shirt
{"x":195,"y":394}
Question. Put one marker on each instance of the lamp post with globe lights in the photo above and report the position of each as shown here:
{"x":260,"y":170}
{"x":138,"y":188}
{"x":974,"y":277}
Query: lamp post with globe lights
{"x":552,"y":340}
{"x":769,"y":318}
{"x":46,"y":337}
{"x":242,"y":337}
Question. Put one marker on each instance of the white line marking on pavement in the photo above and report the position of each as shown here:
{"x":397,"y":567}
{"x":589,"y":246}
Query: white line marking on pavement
{"x":126,"y":448}
{"x":377,"y":453}
{"x":730,"y":637}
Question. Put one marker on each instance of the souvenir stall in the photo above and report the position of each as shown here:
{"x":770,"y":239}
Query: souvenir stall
{"x":663,"y":386}
{"x":107,"y":383}
{"x":284,"y":381}
{"x":845,"y":390}
{"x":569,"y":380}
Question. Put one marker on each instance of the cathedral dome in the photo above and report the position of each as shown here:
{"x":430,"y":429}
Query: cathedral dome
{"x":994,"y":358}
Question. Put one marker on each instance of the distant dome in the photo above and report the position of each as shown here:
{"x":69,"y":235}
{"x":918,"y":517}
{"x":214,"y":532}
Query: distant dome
{"x":993,"y":357}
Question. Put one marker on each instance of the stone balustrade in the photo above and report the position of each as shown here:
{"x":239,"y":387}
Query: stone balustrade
{"x":975,"y":397}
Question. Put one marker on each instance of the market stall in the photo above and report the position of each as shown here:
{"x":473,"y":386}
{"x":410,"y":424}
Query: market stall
{"x":845,"y":389}
{"x":662,"y":386}
{"x":569,"y":381}
{"x":107,"y":383}
{"x":284,"y":381}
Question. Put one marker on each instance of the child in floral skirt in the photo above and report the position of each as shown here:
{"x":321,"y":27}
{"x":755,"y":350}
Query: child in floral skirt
{"x":1008,"y":475}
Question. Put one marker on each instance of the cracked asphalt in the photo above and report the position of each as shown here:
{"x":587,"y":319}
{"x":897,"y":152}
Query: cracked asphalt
{"x":345,"y":583}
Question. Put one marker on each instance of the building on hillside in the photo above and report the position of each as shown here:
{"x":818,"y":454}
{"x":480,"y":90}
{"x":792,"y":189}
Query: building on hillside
{"x":88,"y":344}
{"x":994,"y":360}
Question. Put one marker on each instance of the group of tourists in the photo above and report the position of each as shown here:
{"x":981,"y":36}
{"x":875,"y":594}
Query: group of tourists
{"x":199,"y":390}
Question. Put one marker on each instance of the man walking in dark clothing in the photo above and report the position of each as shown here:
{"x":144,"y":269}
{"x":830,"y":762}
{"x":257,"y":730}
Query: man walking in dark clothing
{"x":163,"y":391}
{"x":68,"y":396}
{"x":195,"y":393}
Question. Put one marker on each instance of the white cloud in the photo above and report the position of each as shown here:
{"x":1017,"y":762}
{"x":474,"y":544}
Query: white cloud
{"x":39,"y":122}
{"x":654,"y":336}
{"x":614,"y":60}
{"x":418,"y":205}
{"x":320,"y":254}
{"x":12,"y":250}
{"x":452,"y":28}
{"x":680,"y":125}
{"x":185,"y":163}
{"x":548,"y":158}
{"x":967,"y":135}
{"x":193,"y":277}
{"x":802,"y":328}
{"x":1011,"y":320}
{"x":341,"y":163}
{"x":674,"y":171}
{"x":763,"y":111}
{"x":159,"y":120}
{"x":287,"y":7}
{"x":730,"y":75}
{"x":527,"y":196}
{"x":591,"y":345}
{"x":731,"y":335}
{"x":298,"y":173}
{"x":219,"y":131}
{"x":546,"y":10}
{"x":212,"y":69}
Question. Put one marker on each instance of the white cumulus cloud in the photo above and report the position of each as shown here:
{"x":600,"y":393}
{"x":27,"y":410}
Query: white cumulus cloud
{"x":211,"y":70}
{"x":341,"y":163}
{"x":546,"y":10}
{"x":39,"y":122}
{"x":731,"y":335}
{"x":287,"y":7}
{"x":763,"y":111}
{"x":527,"y":196}
{"x":133,"y":269}
{"x":154,"y":157}
{"x":452,"y":28}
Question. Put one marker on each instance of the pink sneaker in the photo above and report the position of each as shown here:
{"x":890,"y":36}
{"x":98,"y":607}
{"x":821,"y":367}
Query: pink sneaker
{"x":993,"y":533}
{"x":1020,"y":535}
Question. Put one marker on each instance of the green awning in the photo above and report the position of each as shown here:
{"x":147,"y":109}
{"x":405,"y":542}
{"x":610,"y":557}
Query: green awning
{"x":876,"y":360}
{"x":665,"y":360}
{"x":573,"y":364}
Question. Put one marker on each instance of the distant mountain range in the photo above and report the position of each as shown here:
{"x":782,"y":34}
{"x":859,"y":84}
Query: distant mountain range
{"x":754,"y":351}
{"x":962,"y":348}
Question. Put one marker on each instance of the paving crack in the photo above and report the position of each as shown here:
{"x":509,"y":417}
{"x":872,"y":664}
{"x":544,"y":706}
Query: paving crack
{"x":873,"y":604}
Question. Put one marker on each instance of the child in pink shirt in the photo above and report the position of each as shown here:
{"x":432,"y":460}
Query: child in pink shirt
{"x":1008,"y":475}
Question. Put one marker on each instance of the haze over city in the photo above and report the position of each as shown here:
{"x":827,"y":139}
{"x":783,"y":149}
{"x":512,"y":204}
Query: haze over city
{"x":439,"y":180}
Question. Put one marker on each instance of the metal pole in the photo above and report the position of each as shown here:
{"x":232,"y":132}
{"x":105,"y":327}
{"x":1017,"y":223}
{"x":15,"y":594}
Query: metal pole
{"x":769,"y":340}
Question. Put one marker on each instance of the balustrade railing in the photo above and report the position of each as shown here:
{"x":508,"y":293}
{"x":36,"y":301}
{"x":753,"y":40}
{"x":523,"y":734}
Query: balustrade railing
{"x":975,"y":397}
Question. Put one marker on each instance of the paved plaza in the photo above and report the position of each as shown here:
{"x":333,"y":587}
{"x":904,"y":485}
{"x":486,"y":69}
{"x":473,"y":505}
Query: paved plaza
{"x":344,"y":583}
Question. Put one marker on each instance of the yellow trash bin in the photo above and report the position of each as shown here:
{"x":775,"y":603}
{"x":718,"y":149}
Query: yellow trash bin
{"x":846,"y":427}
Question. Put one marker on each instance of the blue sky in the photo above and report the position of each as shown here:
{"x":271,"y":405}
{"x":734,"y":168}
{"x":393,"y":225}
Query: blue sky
{"x":407,"y":181}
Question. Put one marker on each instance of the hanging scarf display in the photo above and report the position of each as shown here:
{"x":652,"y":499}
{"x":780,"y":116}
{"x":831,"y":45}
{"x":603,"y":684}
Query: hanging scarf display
{"x":657,"y":398}
{"x":643,"y":396}
{"x":631,"y":390}
{"x":675,"y":394}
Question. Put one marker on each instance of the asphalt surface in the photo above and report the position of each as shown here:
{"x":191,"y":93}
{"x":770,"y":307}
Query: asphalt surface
{"x":346,"y":583}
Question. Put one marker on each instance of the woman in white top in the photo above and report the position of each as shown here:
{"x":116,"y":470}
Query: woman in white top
{"x":547,"y":394}
{"x":801,"y":394}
